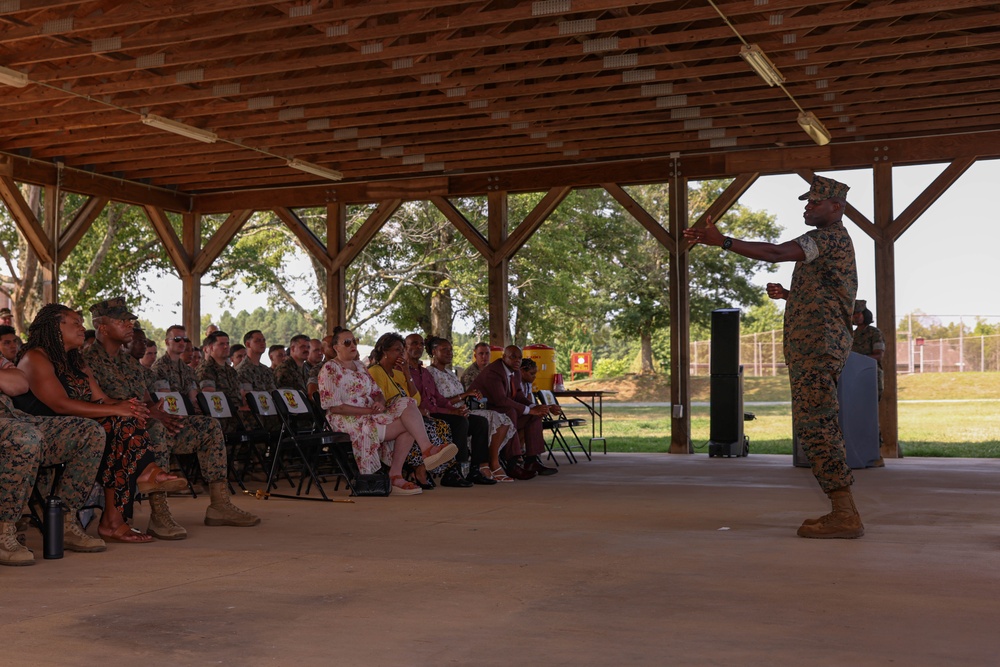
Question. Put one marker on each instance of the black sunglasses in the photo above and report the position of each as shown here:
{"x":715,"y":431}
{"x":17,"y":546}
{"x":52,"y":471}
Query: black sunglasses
{"x":347,"y":342}
{"x":178,"y":339}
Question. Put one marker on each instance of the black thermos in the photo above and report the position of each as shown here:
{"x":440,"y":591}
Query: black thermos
{"x":52,"y":531}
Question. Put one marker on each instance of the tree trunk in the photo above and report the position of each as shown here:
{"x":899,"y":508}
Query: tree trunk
{"x":647,"y":353}
{"x":441,"y":311}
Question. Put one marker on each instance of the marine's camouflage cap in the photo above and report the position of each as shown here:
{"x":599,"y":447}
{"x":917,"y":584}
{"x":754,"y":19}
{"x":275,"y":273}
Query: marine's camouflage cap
{"x":114,"y":308}
{"x":860,"y":305}
{"x":5,"y":312}
{"x":825,"y":188}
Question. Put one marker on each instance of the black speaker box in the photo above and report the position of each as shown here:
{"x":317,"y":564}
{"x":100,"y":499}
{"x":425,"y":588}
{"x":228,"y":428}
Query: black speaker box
{"x":726,"y":409}
{"x":725,"y":358}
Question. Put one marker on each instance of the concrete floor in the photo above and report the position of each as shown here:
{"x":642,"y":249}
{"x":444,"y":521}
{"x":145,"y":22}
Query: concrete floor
{"x":632,"y":559}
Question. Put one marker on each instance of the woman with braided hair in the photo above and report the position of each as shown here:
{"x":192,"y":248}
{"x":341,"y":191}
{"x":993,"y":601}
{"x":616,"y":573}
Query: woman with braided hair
{"x":60,"y":384}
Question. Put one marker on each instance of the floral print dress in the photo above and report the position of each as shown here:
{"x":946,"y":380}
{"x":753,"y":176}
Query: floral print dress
{"x":352,"y":385}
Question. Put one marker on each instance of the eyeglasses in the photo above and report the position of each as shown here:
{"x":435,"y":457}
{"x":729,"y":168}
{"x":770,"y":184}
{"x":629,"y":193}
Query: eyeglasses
{"x":347,"y":342}
{"x":178,"y":339}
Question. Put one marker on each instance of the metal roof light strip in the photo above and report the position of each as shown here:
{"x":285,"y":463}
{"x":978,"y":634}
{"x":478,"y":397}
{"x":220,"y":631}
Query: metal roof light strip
{"x":766,"y":70}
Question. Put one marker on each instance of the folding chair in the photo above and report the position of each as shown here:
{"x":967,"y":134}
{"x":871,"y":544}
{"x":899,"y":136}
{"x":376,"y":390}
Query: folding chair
{"x":175,"y":403}
{"x":546,"y":397}
{"x":299,"y":433}
{"x":239,"y":440}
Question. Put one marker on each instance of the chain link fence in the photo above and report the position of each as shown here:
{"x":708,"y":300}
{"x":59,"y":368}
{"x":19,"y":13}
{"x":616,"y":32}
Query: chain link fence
{"x":761,"y":354}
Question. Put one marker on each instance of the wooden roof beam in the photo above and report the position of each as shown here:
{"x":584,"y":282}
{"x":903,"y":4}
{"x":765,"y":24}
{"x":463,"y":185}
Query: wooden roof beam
{"x":306,"y":237}
{"x":539,"y":214}
{"x":26,"y":221}
{"x":168,"y":237}
{"x":79,"y":226}
{"x":465,"y":228}
{"x":366,"y":232}
{"x":220,"y":240}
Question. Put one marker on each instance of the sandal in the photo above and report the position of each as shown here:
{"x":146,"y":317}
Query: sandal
{"x":125,"y":534}
{"x":439,"y":454}
{"x":401,"y":487}
{"x":500,"y":476}
{"x":153,"y":483}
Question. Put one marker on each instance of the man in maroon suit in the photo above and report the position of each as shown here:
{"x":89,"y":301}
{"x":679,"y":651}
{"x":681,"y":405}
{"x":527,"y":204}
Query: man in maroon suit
{"x":500,"y":383}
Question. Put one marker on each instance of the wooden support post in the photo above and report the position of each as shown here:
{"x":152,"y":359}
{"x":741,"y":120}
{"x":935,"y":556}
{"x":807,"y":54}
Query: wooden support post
{"x":498,"y":270}
{"x":48,"y":266}
{"x":885,"y":293}
{"x":336,"y":276}
{"x":680,"y":319}
{"x":191,"y":281}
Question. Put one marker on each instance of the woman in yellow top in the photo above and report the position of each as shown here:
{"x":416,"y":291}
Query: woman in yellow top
{"x":392,"y":375}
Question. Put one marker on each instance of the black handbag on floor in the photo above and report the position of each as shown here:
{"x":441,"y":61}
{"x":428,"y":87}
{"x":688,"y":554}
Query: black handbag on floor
{"x":371,"y":485}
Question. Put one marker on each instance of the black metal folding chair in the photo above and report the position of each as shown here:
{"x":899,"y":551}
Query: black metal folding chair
{"x":241,"y":442}
{"x":556,"y":426}
{"x":302,"y":444}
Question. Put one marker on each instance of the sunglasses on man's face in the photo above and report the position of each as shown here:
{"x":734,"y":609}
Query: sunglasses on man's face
{"x":178,"y":339}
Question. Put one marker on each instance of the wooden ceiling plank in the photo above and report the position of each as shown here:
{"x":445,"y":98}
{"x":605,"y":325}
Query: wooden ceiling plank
{"x":168,"y":237}
{"x":220,"y":240}
{"x":26,"y":221}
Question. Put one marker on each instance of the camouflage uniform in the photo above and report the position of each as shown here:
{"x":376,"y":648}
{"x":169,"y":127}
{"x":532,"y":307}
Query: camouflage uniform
{"x":29,"y":442}
{"x":177,"y":374}
{"x":818,"y":338}
{"x":867,"y":341}
{"x":123,"y":377}
{"x":225,"y":379}
{"x":256,"y":375}
{"x":289,"y":374}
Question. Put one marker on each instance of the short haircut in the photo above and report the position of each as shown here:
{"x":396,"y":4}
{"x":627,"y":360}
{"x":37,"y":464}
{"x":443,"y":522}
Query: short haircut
{"x":7,"y":329}
{"x":479,"y":345}
{"x":212,"y":337}
{"x":296,"y":338}
{"x":528,"y":365}
{"x":236,"y":348}
{"x":275,"y":348}
{"x":150,"y":344}
{"x":248,"y":335}
{"x":172,"y":327}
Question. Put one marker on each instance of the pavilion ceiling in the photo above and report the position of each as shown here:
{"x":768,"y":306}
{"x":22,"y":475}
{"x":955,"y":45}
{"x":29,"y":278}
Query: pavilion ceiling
{"x":396,"y":89}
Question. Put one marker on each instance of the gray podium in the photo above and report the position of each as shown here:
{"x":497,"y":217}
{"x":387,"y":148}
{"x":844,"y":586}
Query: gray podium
{"x":858,"y":396}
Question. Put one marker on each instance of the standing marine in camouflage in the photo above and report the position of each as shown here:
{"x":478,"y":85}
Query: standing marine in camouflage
{"x":868,"y":340}
{"x":122,"y":377}
{"x":27,"y":442}
{"x":817,"y":340}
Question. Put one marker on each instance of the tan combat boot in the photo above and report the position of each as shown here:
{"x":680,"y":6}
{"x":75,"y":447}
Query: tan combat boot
{"x":161,"y":523}
{"x":843,"y":522}
{"x":13,"y":552}
{"x":74,"y":539}
{"x":222,"y":512}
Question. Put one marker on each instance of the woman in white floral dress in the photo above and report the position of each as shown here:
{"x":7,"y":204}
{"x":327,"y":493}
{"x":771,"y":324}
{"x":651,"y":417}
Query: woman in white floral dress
{"x":355,"y":405}
{"x":501,"y":430}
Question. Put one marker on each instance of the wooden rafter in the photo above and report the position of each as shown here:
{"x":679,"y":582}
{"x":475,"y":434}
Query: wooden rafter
{"x":168,"y":237}
{"x":636,"y":210}
{"x":539,"y":214}
{"x":306,"y":237}
{"x":369,"y":228}
{"x":217,"y":244}
{"x":79,"y":226}
{"x":465,"y":228}
{"x":26,"y":221}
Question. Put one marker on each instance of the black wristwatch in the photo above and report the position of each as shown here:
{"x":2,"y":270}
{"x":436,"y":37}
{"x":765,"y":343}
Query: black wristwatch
{"x":727,"y":244}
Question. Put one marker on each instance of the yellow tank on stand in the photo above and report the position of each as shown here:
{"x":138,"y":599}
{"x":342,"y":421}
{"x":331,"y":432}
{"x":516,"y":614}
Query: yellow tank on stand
{"x":545,"y":357}
{"x":495,"y":353}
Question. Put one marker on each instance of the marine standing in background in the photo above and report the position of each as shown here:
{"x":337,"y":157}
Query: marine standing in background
{"x":817,"y":340}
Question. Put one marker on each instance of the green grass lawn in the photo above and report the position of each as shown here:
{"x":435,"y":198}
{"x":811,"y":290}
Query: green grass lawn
{"x":965,"y":429}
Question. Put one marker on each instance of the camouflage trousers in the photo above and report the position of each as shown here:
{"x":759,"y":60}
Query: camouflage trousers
{"x":815,"y":411}
{"x":198,"y":435}
{"x":29,"y":442}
